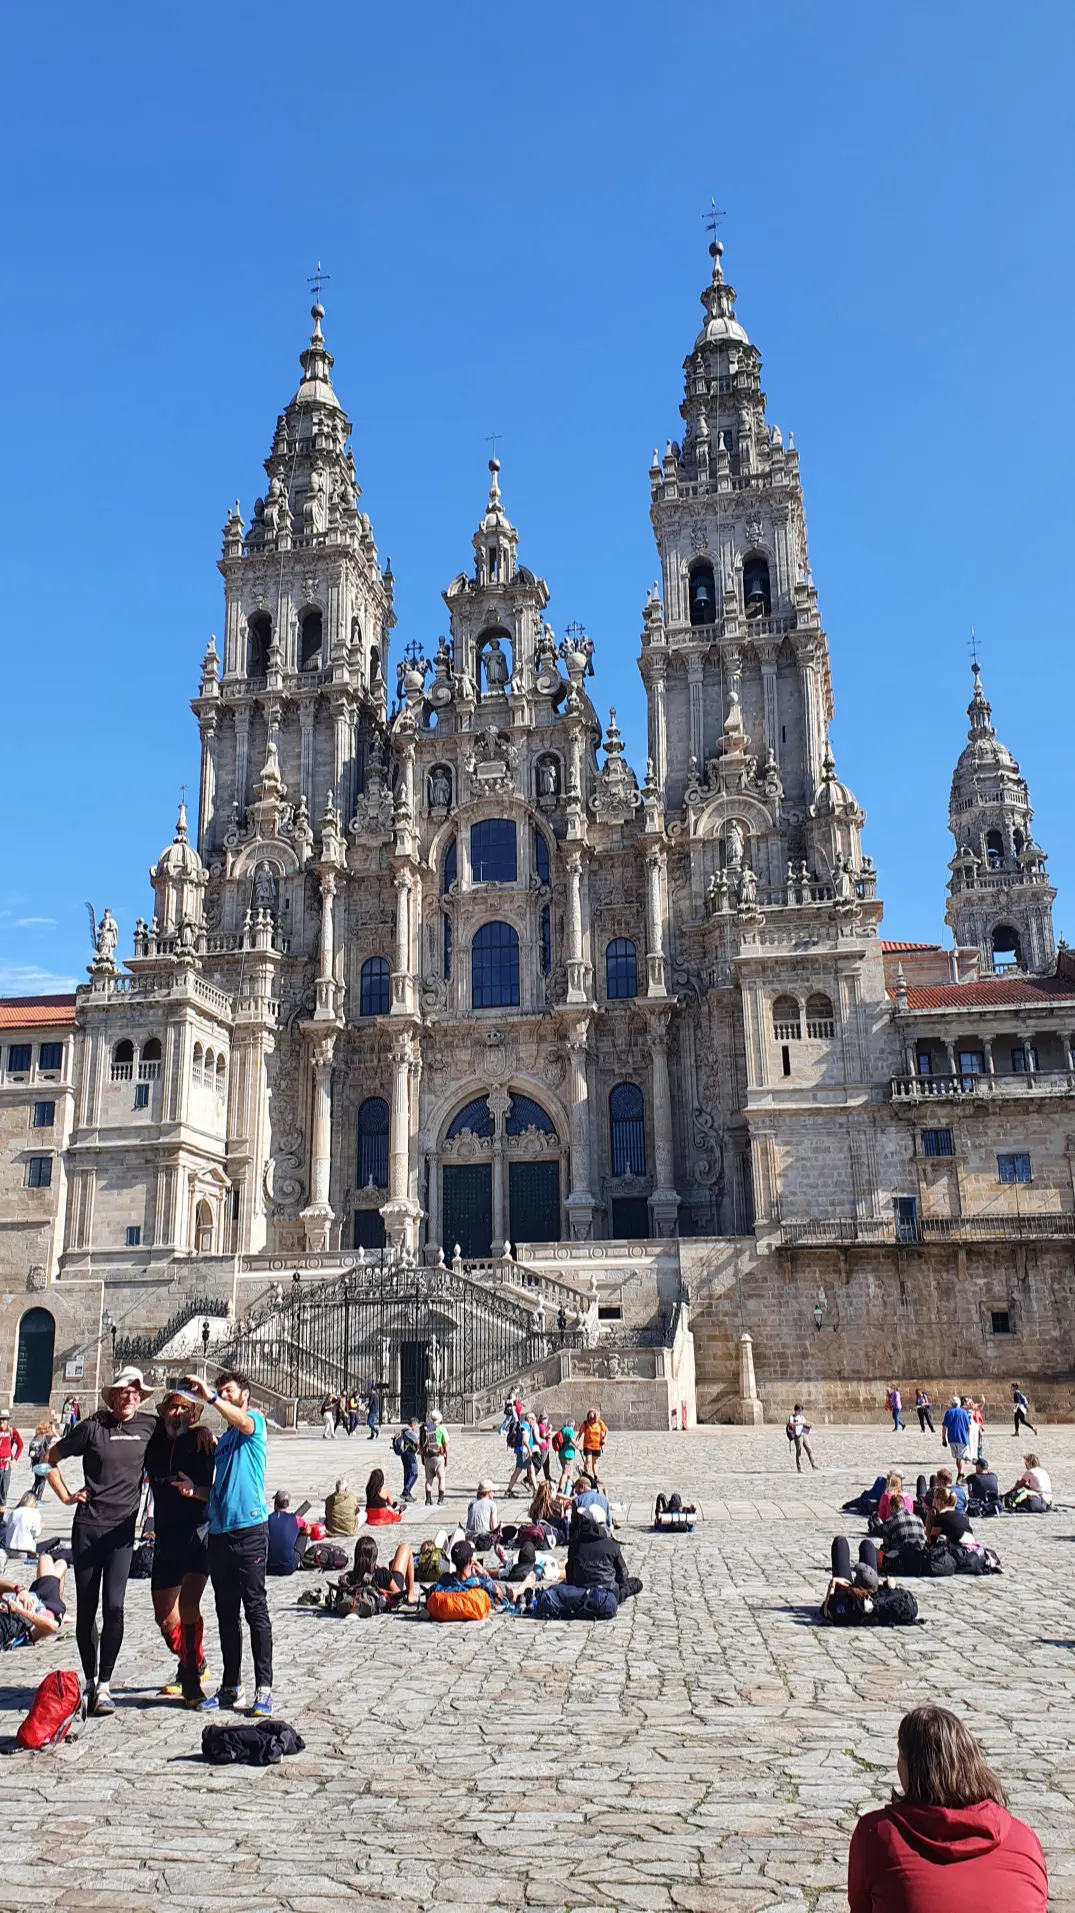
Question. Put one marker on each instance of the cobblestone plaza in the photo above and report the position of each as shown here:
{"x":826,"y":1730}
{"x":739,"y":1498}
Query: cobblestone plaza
{"x":708,"y":1750}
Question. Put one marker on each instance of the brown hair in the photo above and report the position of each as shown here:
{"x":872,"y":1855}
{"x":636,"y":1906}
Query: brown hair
{"x":242,"y":1382}
{"x":943,"y":1502}
{"x":945,"y":1767}
{"x":543,"y":1507}
{"x":1032,"y":1460}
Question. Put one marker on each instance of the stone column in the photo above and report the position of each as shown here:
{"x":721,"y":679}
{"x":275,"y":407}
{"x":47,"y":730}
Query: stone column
{"x":576,"y":968}
{"x":695,"y":672}
{"x":581,"y":1202}
{"x":499,"y":1101}
{"x":658,"y":743}
{"x":655,"y":969}
{"x":307,"y":715}
{"x":326,"y":980}
{"x":812,"y":725}
{"x":401,"y":980}
{"x":207,"y":793}
{"x":433,"y":1202}
{"x":242,"y":749}
{"x":400,"y":1137}
{"x":317,"y":1215}
{"x":1070,"y":1045}
{"x":987,"y":1053}
{"x":770,"y":698}
{"x":747,"y":1411}
{"x":664,"y":1202}
{"x":343,"y":732}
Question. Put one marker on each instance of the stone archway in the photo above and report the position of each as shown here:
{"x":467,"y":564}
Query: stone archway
{"x":34,"y":1358}
{"x":497,"y":1176}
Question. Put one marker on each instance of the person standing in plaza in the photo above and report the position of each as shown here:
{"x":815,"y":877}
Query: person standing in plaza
{"x":179,"y":1466}
{"x":894,"y":1404}
{"x":957,"y":1426}
{"x":565,"y":1444}
{"x":1021,"y":1409}
{"x":373,"y":1412}
{"x":797,"y":1431}
{"x":112,"y":1447}
{"x":923,"y":1409}
{"x":329,"y":1405}
{"x":406,"y":1446}
{"x":434,"y":1452}
{"x":239,"y":1540}
{"x":10,"y":1450}
{"x":594,"y":1437}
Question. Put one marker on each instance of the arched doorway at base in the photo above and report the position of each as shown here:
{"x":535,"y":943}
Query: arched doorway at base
{"x":34,"y":1360}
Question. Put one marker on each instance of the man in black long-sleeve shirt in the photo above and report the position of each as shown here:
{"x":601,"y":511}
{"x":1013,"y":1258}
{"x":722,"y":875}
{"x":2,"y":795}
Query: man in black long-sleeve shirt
{"x":594,"y":1557}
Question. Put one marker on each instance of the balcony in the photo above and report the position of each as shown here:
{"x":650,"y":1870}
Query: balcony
{"x":843,"y":1231}
{"x":1015,"y":1084}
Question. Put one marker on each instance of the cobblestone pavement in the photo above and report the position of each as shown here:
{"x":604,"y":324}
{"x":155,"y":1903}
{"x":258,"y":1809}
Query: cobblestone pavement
{"x":710,"y":1749}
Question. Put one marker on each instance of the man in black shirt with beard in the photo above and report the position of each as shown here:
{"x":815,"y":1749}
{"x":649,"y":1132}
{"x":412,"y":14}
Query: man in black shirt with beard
{"x":179,"y":1464}
{"x":112,"y":1447}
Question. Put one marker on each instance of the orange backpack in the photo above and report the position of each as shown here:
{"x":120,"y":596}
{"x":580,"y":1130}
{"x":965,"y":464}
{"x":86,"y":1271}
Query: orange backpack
{"x":458,"y":1604}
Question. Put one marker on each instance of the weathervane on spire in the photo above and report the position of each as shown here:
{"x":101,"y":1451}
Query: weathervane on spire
{"x":713,"y":218}
{"x":317,"y":280}
{"x":491,"y":439}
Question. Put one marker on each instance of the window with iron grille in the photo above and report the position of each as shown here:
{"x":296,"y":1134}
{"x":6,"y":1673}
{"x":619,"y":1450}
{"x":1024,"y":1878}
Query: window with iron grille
{"x":524,"y":1114}
{"x":494,"y":967}
{"x":475,"y":1116}
{"x":627,"y":1122}
{"x":134,"y":1236}
{"x":937,"y":1142}
{"x":1014,"y":1168}
{"x":375,"y":987}
{"x":1000,"y":1322}
{"x":373,"y":1143}
{"x":621,"y":968}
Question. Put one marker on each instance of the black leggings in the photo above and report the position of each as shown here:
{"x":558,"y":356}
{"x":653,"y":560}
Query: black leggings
{"x":841,"y":1557}
{"x":101,"y":1559}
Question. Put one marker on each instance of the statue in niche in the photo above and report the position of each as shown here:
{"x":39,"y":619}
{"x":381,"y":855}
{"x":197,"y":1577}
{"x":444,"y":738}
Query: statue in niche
{"x":440,"y":787}
{"x":496,"y":666}
{"x":733,"y":839}
{"x":107,"y":939}
{"x":548,"y":777}
{"x":264,"y":889}
{"x":748,"y":888}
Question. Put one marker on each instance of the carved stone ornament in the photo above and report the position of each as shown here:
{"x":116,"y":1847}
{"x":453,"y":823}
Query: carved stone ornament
{"x":495,"y":1055}
{"x":36,"y":1277}
{"x":699,"y":538}
{"x":491,"y":761}
{"x":533,"y":1144}
{"x":554,"y":1067}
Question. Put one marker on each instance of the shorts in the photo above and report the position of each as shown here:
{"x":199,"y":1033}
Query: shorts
{"x":958,"y":1449}
{"x":434,"y":1467}
{"x":175,"y":1556}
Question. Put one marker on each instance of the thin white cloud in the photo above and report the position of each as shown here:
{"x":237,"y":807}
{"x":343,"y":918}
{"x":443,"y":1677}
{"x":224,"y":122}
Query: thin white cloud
{"x":30,"y":923}
{"x":29,"y":979}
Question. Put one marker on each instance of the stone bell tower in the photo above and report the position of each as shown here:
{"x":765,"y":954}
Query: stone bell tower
{"x":1000,"y":900}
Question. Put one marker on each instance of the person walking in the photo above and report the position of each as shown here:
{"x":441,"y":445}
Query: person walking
{"x":957,"y":1428}
{"x":329,"y":1406}
{"x":10,"y":1450}
{"x":525,"y":1446}
{"x":1020,"y":1407}
{"x":923,"y":1409}
{"x":594,"y":1437}
{"x":797,"y":1431}
{"x":373,"y":1413}
{"x":239,"y":1541}
{"x":179,"y":1467}
{"x":112,"y":1446}
{"x":406,"y":1445}
{"x":41,"y":1442}
{"x":565,"y":1444}
{"x":894,"y":1404}
{"x":434,"y":1452}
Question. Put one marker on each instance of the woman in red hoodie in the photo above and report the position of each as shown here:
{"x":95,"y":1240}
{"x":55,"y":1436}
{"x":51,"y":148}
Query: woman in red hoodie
{"x":947,"y":1841}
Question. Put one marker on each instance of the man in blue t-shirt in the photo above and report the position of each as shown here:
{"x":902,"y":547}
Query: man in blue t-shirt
{"x":956,"y":1425}
{"x":238,"y":1541}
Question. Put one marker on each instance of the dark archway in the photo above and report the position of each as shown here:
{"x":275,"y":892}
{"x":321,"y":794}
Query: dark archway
{"x":34,"y":1361}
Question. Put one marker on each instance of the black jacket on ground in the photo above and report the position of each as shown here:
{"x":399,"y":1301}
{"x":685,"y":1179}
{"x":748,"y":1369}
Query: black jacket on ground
{"x":595,"y":1560}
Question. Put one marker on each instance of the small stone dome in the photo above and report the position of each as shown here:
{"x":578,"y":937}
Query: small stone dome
{"x":179,"y":858}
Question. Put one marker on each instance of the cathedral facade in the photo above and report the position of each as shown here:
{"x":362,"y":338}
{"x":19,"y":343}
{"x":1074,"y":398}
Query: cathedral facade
{"x":436,"y":970}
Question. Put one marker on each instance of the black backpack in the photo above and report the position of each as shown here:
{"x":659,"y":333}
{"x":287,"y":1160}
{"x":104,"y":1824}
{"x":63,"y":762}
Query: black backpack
{"x":894,"y":1607}
{"x":940,"y":1560}
{"x":262,"y":1744}
{"x":324,"y":1555}
{"x":142,"y":1559}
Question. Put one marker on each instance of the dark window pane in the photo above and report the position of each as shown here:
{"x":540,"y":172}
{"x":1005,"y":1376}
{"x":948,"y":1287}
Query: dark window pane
{"x":494,"y":967}
{"x":134,"y":1236}
{"x":18,"y":1056}
{"x":493,"y":851}
{"x":1014,"y":1168}
{"x":1001,"y":1321}
{"x":450,"y":866}
{"x":375,"y":989}
{"x":369,"y":1229}
{"x":44,"y":1115}
{"x":524,"y":1113}
{"x":621,"y":968}
{"x":938,"y":1142}
{"x":373,"y":1143}
{"x":628,"y":1125}
{"x":141,"y":1095}
{"x":50,"y":1056}
{"x":447,"y":948}
{"x":546,"y":941}
{"x":39,"y":1175}
{"x":541,"y":857}
{"x":475,"y":1116}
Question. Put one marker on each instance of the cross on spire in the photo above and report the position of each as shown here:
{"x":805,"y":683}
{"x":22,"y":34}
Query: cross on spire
{"x":973,"y":648}
{"x":317,"y":280}
{"x":491,"y":439}
{"x":713,"y":218}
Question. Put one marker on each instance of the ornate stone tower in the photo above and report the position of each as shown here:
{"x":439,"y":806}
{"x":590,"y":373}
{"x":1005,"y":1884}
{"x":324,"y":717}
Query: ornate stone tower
{"x":1000,"y":900}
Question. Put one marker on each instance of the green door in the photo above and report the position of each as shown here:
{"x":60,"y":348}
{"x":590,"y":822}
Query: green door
{"x":33,"y":1366}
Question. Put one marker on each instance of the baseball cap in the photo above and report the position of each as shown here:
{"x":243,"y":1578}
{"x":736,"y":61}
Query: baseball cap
{"x":487,"y":1487}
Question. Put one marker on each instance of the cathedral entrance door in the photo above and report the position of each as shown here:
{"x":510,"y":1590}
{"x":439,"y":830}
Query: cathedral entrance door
{"x":33,"y":1363}
{"x":534,"y":1195}
{"x":413,"y":1368}
{"x":468,"y":1209}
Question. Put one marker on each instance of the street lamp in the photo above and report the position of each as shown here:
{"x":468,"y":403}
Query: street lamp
{"x":109,"y":1327}
{"x":205,"y":1346}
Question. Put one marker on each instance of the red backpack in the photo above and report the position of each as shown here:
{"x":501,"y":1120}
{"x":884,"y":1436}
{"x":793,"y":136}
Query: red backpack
{"x":53,"y":1712}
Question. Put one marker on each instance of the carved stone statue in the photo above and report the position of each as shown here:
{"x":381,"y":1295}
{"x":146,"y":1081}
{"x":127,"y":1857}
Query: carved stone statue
{"x":496,"y":666}
{"x":107,"y":939}
{"x":548,"y":777}
{"x":748,"y":888}
{"x":440,"y":787}
{"x":264,"y":888}
{"x":734,"y":840}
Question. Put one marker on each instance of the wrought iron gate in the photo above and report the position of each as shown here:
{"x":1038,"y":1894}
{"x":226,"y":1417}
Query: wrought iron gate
{"x":426,"y":1337}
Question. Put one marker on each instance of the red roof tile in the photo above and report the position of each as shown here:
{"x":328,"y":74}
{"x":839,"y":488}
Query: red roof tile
{"x":910,"y":946}
{"x":993,"y":993}
{"x":36,"y":1012}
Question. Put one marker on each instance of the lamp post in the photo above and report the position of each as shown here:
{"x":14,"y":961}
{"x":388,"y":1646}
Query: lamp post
{"x":205,"y":1349}
{"x":109,"y":1327}
{"x":818,"y":1314}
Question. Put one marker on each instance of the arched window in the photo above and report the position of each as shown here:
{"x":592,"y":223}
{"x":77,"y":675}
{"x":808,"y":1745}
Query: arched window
{"x":451,"y":867}
{"x":210,"y":1065}
{"x":702,"y":593}
{"x":541,"y":858}
{"x":475,"y":1116}
{"x":524,"y":1114}
{"x":1018,"y":842}
{"x":310,"y":641}
{"x":196,"y":1064}
{"x":203,"y":1229}
{"x":221,"y":1075}
{"x":149,"y":1063}
{"x":372,"y":1164}
{"x":447,"y":947}
{"x":494,"y":967}
{"x":994,"y":849}
{"x":375,"y":665}
{"x":151,"y":1050}
{"x":123,"y":1061}
{"x":820,"y":1020}
{"x":627,"y":1124}
{"x":258,"y":640}
{"x":621,"y":968}
{"x":494,"y":852}
{"x":787,"y":1025}
{"x":757,"y":594}
{"x":1006,"y":954}
{"x":546,"y":941}
{"x":375,"y":984}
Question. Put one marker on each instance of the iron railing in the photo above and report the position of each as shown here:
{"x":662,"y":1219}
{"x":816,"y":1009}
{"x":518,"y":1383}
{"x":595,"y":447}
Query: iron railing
{"x":835,"y":1231}
{"x":143,"y":1348}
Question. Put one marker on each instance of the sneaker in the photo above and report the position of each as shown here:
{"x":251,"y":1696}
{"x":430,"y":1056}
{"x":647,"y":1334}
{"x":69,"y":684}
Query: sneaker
{"x":172,"y":1689}
{"x":262,"y":1703}
{"x":102,"y":1699}
{"x":232,"y":1697}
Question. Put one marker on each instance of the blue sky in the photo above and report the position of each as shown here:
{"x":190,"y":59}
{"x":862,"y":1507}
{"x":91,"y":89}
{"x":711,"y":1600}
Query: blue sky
{"x":510,"y":206}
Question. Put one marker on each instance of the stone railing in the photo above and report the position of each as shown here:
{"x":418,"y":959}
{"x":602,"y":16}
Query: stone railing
{"x":1017,"y":1083}
{"x":838,"y":1231}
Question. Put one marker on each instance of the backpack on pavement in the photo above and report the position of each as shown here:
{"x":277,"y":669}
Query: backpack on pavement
{"x":324,"y":1556}
{"x":431,"y":1563}
{"x":262,"y":1744}
{"x":55,"y":1707}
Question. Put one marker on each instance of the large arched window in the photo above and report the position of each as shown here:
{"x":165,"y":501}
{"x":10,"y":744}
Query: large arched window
{"x":702,"y":593}
{"x":494,"y":851}
{"x":994,"y":849}
{"x":258,"y":640}
{"x":621,"y":968}
{"x":627,"y":1125}
{"x":123,"y":1062}
{"x":372,"y":1165}
{"x":1006,"y":954}
{"x":524,"y":1114}
{"x":494,"y":967}
{"x":757,"y":593}
{"x":820,"y":1020}
{"x":310,"y":640}
{"x":203,"y":1229}
{"x":375,"y":987}
{"x":475,"y":1116}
